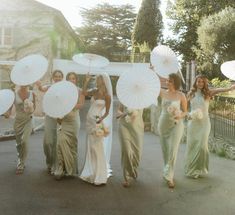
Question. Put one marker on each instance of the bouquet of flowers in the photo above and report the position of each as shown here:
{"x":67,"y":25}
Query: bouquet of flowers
{"x":28,"y":106}
{"x":174,"y":111}
{"x":196,"y":114}
{"x":101,"y":130}
{"x":131,"y":114}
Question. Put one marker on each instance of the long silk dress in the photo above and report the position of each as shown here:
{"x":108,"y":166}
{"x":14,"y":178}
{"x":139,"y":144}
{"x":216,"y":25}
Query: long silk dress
{"x":131,"y":136}
{"x":49,"y":142}
{"x":67,"y":143}
{"x":198,"y":130}
{"x":170,"y":133}
{"x":23,"y":128}
{"x":95,"y":167}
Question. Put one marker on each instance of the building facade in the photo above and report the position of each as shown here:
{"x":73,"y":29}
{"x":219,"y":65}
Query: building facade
{"x":29,"y":27}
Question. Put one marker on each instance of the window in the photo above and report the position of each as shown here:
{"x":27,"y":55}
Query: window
{"x":5,"y":36}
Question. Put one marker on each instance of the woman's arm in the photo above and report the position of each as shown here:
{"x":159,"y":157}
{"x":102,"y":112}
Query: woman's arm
{"x":85,"y":91}
{"x":41,"y":88}
{"x":120,"y":111}
{"x":107,"y":107}
{"x":162,"y":81}
{"x":81,"y":100}
{"x":221,"y":90}
{"x":183,"y":104}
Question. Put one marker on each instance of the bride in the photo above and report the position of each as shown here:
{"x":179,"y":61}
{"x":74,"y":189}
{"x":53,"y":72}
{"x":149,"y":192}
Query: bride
{"x":96,"y":167}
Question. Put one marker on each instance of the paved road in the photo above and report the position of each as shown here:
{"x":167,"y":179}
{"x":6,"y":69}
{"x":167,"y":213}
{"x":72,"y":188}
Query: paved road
{"x":37,"y":193}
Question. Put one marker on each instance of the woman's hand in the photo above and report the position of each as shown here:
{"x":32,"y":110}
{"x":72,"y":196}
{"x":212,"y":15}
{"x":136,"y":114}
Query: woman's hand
{"x":38,"y":84}
{"x":120,"y":115}
{"x":88,"y":77}
{"x":180,"y":116}
{"x":99,"y":121}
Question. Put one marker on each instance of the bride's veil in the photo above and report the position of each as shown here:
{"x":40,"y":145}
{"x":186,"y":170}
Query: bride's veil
{"x":108,"y":121}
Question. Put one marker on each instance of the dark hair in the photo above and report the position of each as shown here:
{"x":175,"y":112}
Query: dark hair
{"x":57,"y":71}
{"x":176,"y":80}
{"x":72,"y":73}
{"x":205,"y":91}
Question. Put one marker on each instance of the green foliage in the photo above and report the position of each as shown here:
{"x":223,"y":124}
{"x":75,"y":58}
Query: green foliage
{"x":148,"y":25}
{"x":66,"y":52}
{"x":54,"y":37}
{"x":217,"y":83}
{"x":141,"y":53}
{"x":216,"y":37}
{"x":107,"y":29}
{"x":186,"y":16}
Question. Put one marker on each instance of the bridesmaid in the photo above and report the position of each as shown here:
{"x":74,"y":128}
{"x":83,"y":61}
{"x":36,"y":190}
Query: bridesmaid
{"x":50,"y":135}
{"x":95,"y":168}
{"x":170,"y":126}
{"x":131,"y":134}
{"x":25,"y":105}
{"x":66,"y":151}
{"x":198,"y":129}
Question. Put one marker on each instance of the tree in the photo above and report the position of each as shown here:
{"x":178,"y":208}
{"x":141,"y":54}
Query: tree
{"x":186,"y":16}
{"x":216,"y":39}
{"x":107,"y":29}
{"x":148,"y":25}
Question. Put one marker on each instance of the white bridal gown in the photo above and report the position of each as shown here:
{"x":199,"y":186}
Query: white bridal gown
{"x":95,"y":167}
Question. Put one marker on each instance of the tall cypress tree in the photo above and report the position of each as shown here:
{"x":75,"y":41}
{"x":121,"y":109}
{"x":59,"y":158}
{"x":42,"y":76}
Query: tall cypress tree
{"x":148,"y":25}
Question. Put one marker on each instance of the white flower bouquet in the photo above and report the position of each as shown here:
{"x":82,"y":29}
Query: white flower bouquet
{"x":28,"y":106}
{"x":174,"y":111}
{"x":101,"y":130}
{"x":196,"y":114}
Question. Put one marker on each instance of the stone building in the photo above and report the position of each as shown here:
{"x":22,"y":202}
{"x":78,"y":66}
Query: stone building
{"x":27,"y":27}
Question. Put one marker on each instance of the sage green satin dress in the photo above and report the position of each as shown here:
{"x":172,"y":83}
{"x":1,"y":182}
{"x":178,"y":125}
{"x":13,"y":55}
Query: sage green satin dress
{"x":23,"y":128}
{"x":170,"y":133}
{"x":67,"y":143}
{"x":49,"y":142}
{"x":198,"y":130}
{"x":131,"y":135}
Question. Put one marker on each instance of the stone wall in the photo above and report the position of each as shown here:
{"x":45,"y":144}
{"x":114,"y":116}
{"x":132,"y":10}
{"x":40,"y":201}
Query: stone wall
{"x":222,"y":147}
{"x":219,"y":145}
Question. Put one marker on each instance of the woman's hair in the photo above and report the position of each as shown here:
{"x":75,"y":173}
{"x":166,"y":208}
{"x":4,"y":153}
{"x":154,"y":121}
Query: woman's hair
{"x":57,"y":71}
{"x":72,"y":73}
{"x":103,"y":86}
{"x":176,"y":80}
{"x":205,"y":90}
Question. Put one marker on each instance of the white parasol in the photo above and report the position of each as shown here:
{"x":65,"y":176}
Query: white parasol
{"x":29,"y":70}
{"x":60,"y":99}
{"x":7,"y":98}
{"x":164,"y":61}
{"x":228,"y":69}
{"x":91,"y":60}
{"x":139,"y":88}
